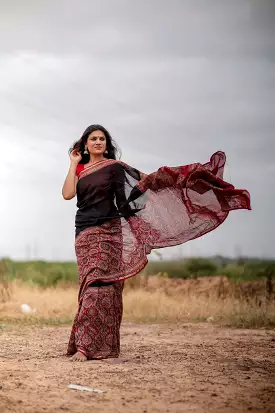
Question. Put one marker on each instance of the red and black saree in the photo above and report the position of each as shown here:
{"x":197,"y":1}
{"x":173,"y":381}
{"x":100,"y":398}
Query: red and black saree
{"x":122,"y":215}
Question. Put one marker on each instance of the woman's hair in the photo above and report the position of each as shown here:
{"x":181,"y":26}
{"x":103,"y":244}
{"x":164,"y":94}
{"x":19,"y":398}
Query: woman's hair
{"x":111,"y":146}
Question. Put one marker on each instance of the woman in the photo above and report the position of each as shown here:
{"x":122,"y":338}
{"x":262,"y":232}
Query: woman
{"x":122,"y":215}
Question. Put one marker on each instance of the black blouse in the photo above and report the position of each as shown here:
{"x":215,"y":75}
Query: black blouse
{"x":106,"y":190}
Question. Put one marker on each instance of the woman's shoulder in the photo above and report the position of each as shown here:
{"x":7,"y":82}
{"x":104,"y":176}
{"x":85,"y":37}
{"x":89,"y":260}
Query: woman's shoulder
{"x":79,"y":169}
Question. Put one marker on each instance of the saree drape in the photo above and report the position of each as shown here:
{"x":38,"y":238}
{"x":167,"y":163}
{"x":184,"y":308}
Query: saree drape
{"x":122,"y":215}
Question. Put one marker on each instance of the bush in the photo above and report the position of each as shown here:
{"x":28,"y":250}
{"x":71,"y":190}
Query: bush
{"x":41,"y":273}
{"x":250,"y":270}
{"x":199,"y":267}
{"x":188,"y":268}
{"x":47,"y":274}
{"x":247,"y":269}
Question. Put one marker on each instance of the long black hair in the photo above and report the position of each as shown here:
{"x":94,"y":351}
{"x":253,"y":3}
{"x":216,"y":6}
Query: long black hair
{"x":112,"y":149}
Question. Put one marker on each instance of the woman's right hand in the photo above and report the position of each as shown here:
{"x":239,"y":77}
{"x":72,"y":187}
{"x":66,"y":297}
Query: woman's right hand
{"x":75,"y":156}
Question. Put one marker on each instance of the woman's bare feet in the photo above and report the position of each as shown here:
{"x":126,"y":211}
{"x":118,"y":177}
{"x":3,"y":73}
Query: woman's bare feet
{"x":78,"y":357}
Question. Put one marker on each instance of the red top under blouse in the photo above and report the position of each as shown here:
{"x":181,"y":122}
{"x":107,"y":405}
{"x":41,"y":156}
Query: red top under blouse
{"x":79,"y":169}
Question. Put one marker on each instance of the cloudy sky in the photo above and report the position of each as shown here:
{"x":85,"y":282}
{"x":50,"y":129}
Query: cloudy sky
{"x":173,"y":81}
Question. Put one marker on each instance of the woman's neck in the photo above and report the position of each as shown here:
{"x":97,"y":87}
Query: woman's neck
{"x":96,"y":158}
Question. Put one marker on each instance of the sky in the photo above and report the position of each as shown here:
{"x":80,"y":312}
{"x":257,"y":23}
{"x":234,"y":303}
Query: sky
{"x":172,"y":80}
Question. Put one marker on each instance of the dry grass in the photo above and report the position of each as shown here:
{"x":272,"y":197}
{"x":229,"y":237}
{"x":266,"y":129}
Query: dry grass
{"x":57,"y":305}
{"x":52,"y":305}
{"x":5,"y":285}
{"x":143,"y":306}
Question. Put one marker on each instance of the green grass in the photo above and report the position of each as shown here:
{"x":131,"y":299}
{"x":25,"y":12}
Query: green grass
{"x":241,"y":270}
{"x":46,"y":274}
{"x":42,"y":273}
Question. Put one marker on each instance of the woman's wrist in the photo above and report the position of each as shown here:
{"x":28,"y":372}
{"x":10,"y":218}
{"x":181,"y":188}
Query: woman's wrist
{"x":73,"y":165}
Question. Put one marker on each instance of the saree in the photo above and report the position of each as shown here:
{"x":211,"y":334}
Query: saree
{"x":122,"y":215}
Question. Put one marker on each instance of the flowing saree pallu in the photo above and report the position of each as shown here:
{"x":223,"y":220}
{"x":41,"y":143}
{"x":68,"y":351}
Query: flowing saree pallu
{"x":122,"y":215}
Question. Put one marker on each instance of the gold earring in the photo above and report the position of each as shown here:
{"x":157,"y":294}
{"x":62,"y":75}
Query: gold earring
{"x":86,"y":151}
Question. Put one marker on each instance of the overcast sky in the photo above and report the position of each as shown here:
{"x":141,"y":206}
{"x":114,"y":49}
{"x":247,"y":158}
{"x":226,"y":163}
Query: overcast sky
{"x":173,"y":81}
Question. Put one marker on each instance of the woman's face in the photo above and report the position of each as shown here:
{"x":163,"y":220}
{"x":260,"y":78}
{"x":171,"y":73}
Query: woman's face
{"x":96,"y":143}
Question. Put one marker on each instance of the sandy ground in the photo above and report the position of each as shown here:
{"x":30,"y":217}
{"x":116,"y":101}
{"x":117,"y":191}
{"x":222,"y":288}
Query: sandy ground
{"x":165,"y":368}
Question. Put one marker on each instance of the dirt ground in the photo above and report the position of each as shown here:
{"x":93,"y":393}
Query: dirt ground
{"x":164,"y":368}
